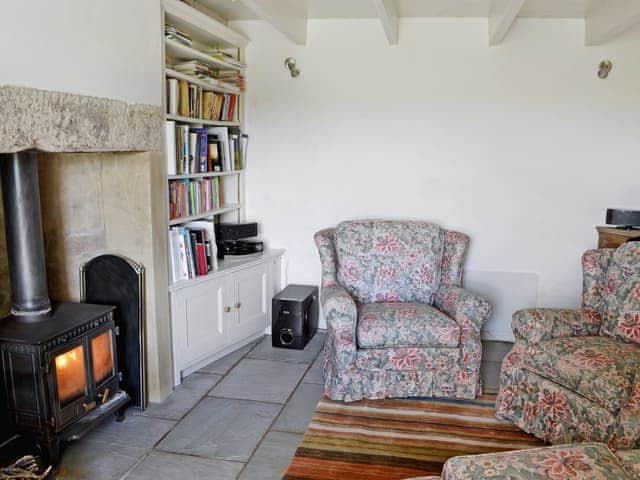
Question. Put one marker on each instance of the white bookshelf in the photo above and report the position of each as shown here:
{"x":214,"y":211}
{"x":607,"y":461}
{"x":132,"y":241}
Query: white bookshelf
{"x":207,"y":34}
{"x":216,"y":313}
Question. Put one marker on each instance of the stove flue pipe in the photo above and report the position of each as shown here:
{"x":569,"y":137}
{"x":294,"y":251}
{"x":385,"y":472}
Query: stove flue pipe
{"x":23,"y":226}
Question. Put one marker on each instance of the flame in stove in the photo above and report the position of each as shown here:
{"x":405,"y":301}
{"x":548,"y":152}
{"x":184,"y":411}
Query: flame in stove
{"x":63,"y":360}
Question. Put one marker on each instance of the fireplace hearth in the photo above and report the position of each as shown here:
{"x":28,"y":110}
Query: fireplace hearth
{"x":58,"y":362}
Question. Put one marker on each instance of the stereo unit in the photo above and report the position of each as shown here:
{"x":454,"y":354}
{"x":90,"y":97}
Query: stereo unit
{"x":235,"y":231}
{"x":295,"y":316}
{"x":628,"y":219}
{"x":239,"y":247}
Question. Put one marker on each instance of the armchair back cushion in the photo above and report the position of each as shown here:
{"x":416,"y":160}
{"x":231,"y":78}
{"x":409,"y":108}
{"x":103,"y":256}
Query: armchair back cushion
{"x":621,"y":294}
{"x":388,"y":261}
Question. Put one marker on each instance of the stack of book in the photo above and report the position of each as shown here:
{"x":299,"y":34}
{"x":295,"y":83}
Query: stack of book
{"x":201,"y":150}
{"x":189,"y":100}
{"x":226,"y":57}
{"x":193,"y":197}
{"x":174,"y":33}
{"x":193,"y":250}
{"x":232,"y":77}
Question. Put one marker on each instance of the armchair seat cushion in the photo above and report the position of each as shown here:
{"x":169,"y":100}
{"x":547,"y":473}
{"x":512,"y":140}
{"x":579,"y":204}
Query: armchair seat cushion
{"x":600,"y":369}
{"x":385,"y":325}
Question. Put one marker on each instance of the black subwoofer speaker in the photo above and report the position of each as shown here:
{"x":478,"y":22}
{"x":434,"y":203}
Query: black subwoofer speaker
{"x":295,"y":316}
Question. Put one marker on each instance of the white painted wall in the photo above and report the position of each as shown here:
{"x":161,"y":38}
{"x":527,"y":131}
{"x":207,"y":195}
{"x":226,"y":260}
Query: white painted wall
{"x":521,"y":146}
{"x":92,"y":47}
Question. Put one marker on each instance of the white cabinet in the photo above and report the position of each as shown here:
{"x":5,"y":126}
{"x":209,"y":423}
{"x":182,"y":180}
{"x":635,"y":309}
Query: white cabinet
{"x":222,"y":311}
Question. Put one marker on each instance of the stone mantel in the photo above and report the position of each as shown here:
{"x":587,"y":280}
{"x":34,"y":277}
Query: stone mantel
{"x":65,"y":122}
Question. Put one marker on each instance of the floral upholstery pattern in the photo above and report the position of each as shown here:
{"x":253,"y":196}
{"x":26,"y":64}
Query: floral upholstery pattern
{"x":599,"y":368}
{"x":584,"y":461}
{"x":621,"y":294}
{"x":383,"y":325}
{"x":424,"y":343}
{"x":383,"y":261}
{"x":630,"y":461}
{"x":590,"y":461}
{"x":573,"y":375}
{"x":537,"y":324}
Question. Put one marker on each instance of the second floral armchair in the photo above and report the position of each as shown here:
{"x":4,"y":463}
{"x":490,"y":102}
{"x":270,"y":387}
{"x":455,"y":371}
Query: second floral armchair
{"x":398,"y":322}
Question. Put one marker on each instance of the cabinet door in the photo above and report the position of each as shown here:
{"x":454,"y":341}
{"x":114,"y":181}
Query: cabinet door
{"x":199,"y":328}
{"x":252,"y":302}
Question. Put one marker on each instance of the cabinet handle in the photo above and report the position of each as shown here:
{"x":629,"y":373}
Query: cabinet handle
{"x":238,"y":305}
{"x":227,"y":309}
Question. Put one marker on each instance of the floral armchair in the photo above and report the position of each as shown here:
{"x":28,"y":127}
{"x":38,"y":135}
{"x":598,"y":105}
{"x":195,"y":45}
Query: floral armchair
{"x":574,"y":375}
{"x":398,"y":322}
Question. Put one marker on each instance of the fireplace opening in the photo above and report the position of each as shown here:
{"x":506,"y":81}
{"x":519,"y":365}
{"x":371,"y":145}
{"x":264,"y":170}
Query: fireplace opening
{"x":59,"y":362}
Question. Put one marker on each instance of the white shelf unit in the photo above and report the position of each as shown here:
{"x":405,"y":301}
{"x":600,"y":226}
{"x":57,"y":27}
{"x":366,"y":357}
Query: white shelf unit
{"x":216,"y":313}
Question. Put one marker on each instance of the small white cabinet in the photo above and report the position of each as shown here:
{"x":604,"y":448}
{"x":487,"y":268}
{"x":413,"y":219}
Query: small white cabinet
{"x":223,"y":311}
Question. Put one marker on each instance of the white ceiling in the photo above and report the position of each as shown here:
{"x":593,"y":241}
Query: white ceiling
{"x":234,"y":10}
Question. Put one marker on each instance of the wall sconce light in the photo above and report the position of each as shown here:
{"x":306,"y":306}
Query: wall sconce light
{"x":605,"y":68}
{"x":290,"y":64}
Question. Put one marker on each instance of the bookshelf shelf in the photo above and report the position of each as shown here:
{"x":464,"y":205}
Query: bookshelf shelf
{"x":201,"y":83}
{"x":226,"y":266}
{"x":208,"y":214}
{"x":179,"y":51}
{"x":204,"y":175}
{"x":200,"y":121}
{"x":202,"y":28}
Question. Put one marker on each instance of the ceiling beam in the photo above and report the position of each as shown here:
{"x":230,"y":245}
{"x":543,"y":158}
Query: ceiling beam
{"x":607,"y":19}
{"x":291,"y":23}
{"x":388,"y":15}
{"x":503,"y":14}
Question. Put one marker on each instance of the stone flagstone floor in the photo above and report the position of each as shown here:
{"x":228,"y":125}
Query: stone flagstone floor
{"x":240,"y":418}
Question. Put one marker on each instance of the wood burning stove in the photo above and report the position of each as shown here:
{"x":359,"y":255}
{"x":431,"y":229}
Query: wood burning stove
{"x":59,"y":363}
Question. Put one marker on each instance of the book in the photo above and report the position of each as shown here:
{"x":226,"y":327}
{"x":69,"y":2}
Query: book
{"x":244,"y":145}
{"x":179,"y":265}
{"x":170,"y":146}
{"x":213,"y":157}
{"x":193,"y":152}
{"x":211,"y":250}
{"x":182,"y":149}
{"x":217,"y":106}
{"x":207,"y":105}
{"x":172,"y":96}
{"x":223,"y":136}
{"x":183,"y":98}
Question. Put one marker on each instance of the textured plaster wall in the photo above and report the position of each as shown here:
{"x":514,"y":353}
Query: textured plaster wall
{"x":520,"y":146}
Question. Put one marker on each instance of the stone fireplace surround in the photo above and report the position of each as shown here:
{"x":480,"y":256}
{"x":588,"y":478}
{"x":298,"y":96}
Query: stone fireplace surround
{"x":101,"y":185}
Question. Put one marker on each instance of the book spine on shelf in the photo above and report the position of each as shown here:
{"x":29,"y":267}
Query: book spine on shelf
{"x":170,"y":146}
{"x":183,"y":100}
{"x":193,"y":197}
{"x":172,"y":96}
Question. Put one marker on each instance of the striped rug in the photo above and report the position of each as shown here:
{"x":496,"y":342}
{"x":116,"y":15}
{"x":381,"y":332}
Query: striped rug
{"x":397,"y":439}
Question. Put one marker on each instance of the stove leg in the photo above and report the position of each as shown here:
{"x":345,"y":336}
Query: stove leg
{"x":50,"y":452}
{"x":120,"y":414}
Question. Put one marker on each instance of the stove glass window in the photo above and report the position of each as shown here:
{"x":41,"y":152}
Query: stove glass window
{"x":102,"y":354}
{"x":70,"y":375}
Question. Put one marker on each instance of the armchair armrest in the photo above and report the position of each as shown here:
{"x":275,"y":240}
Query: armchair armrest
{"x":535,"y":325}
{"x":339,"y":308}
{"x":470,"y":311}
{"x":341,"y":314}
{"x":465,"y":307}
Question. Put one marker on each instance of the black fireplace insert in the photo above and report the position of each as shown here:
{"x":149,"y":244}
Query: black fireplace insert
{"x":58,"y":362}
